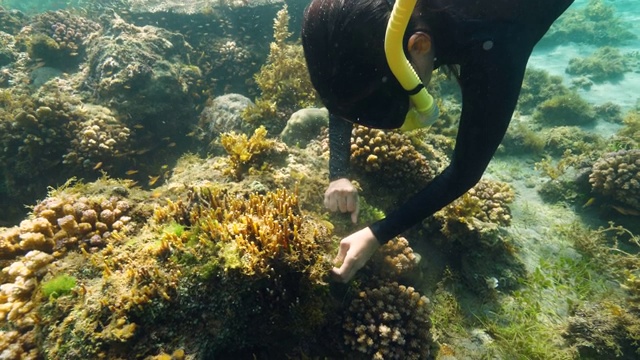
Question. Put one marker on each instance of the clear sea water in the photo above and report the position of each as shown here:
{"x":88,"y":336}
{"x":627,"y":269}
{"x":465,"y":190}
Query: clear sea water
{"x":533,"y":219}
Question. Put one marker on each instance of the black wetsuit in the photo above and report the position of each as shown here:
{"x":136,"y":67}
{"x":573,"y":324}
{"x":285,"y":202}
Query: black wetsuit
{"x":493,"y":55}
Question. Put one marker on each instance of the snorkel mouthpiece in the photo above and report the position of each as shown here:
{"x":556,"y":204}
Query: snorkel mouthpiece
{"x":424,"y":111}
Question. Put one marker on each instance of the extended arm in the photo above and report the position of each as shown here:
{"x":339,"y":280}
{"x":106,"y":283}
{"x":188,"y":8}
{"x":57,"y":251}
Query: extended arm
{"x":490,"y":82}
{"x":339,"y":147}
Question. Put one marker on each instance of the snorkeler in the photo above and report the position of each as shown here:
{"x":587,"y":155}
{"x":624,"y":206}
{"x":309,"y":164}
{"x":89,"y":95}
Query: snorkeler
{"x":370,"y":66}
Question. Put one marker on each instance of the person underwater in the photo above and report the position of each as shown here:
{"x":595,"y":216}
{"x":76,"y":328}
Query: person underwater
{"x":370,"y":60}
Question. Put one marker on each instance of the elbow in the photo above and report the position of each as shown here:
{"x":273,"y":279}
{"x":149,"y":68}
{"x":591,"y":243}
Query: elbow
{"x":465,"y":177}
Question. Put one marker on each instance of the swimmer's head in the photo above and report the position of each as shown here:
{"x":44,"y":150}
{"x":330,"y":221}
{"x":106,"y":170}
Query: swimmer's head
{"x":344,"y":43}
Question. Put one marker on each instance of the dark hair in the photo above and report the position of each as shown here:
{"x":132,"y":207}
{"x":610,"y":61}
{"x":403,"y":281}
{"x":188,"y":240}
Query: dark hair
{"x":343,"y":44}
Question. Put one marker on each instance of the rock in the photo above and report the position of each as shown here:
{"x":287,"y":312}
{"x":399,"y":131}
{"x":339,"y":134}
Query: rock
{"x":304,"y":125}
{"x":224,"y":114}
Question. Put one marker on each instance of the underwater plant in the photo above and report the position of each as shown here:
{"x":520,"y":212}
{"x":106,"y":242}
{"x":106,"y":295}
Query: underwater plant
{"x":568,"y":109}
{"x":538,"y":86}
{"x":596,"y":23}
{"x":58,"y":286}
{"x":245,"y":152}
{"x":284,"y":82}
{"x":605,"y":64}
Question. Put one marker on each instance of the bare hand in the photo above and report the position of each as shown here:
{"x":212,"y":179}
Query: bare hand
{"x":355,"y":250}
{"x":342,"y":196}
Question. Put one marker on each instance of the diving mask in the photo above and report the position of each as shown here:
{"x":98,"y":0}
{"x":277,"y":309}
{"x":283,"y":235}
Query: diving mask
{"x":424,"y":111}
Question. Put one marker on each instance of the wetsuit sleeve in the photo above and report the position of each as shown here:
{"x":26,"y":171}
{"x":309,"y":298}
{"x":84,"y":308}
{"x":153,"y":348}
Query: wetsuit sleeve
{"x":339,"y":147}
{"x":490,"y":81}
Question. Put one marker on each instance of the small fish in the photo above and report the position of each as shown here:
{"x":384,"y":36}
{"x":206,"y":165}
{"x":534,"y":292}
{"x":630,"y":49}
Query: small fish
{"x":153,"y":180}
{"x":98,"y":166}
{"x":132,"y":172}
{"x":171,"y":144}
{"x":138,"y":126}
{"x":164,"y":167}
{"x":589,"y":202}
{"x":625,"y":211}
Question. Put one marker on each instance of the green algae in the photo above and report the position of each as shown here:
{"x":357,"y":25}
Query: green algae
{"x":58,"y":286}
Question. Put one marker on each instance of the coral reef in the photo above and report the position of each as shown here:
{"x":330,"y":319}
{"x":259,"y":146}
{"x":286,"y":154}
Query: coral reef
{"x":560,"y":139}
{"x":19,"y":281}
{"x":616,"y":175}
{"x":386,"y":319}
{"x":522,"y":138}
{"x":605,"y":64}
{"x":58,"y":38}
{"x":232,"y":64}
{"x":284,"y":81}
{"x":604,"y":330}
{"x":11,"y":21}
{"x":393,"y":260}
{"x":262,"y":260}
{"x":60,"y":223}
{"x":596,"y":24}
{"x":477,"y":213}
{"x":569,"y":109}
{"x":145,"y":73}
{"x":610,"y":112}
{"x":51,"y":134}
{"x":390,"y":157}
{"x":389,"y":321}
{"x":99,"y":139}
{"x":630,"y":131}
{"x":537,"y":87}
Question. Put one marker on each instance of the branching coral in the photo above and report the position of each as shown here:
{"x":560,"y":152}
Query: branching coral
{"x":18,"y":313}
{"x":100,"y":138}
{"x":395,"y":258}
{"x":283,"y":81}
{"x":483,"y":208}
{"x":389,"y":321}
{"x":391,"y":157}
{"x":67,"y":220}
{"x":617,"y":176}
{"x":59,"y":37}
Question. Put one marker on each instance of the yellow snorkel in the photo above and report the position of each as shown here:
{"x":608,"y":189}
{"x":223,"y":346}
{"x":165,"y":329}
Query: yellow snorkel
{"x":425,"y":110}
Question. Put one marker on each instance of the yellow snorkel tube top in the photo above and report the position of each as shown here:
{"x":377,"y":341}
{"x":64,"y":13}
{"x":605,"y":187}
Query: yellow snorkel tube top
{"x":424,"y":111}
